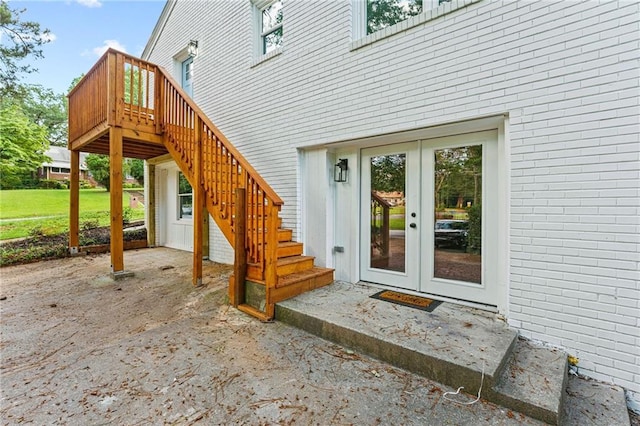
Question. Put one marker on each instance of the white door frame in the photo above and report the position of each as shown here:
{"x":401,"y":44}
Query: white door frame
{"x":420,"y":186}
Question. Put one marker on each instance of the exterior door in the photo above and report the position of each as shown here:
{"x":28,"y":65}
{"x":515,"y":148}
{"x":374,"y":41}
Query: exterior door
{"x":428,"y":216}
{"x":389,"y":215}
{"x":187,"y":76}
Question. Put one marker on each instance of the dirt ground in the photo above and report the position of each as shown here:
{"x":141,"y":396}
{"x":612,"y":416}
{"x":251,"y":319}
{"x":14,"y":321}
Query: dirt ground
{"x":79,"y":348}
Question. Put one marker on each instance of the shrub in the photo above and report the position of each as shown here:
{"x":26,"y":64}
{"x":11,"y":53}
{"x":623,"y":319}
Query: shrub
{"x":53,"y":184}
{"x":475,"y":229}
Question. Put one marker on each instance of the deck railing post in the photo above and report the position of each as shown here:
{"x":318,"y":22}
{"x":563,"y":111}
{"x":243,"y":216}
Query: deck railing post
{"x":158,"y":100}
{"x":111,"y":88}
{"x":271,"y":255}
{"x":240,"y":260}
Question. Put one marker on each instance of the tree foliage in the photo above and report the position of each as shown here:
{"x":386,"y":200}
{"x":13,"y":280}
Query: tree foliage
{"x":388,"y":173}
{"x":98,"y":166}
{"x":136,"y":169}
{"x":18,"y":40}
{"x":458,"y":176}
{"x":22,"y":145}
{"x":47,"y":109}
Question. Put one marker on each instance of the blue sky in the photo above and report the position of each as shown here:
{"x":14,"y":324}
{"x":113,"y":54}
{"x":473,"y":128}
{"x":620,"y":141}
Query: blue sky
{"x":82,"y":30}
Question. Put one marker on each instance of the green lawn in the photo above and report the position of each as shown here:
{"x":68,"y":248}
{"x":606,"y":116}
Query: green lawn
{"x":49,"y":211}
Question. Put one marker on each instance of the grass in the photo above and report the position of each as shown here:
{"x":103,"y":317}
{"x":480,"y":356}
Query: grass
{"x":46,"y":211}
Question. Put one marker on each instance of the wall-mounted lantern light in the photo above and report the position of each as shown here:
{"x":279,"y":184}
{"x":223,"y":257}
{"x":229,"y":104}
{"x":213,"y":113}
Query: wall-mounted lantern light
{"x":341,"y":170}
{"x":192,"y":48}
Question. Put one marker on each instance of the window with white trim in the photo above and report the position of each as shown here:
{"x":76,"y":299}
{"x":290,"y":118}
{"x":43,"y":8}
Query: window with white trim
{"x":185,"y":198}
{"x":372,"y":16}
{"x":269,"y":20}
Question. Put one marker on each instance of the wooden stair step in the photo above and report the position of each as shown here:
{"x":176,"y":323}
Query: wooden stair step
{"x":300,"y":282}
{"x":284,"y":235}
{"x":286,"y":266}
{"x":293,"y":264}
{"x":289,"y":248}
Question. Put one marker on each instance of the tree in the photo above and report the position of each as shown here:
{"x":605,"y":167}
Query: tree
{"x":47,"y":109}
{"x":136,"y":169}
{"x":19,"y":40}
{"x":98,"y":166}
{"x":388,"y":173}
{"x":22,"y":145}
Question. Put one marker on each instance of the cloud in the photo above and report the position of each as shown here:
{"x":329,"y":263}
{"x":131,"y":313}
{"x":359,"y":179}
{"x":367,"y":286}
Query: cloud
{"x":99,"y":51}
{"x":90,"y":3}
{"x":49,"y":37}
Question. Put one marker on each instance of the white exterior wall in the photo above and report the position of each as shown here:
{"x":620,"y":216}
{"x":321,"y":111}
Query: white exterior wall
{"x":565,"y":74}
{"x":177,"y":233}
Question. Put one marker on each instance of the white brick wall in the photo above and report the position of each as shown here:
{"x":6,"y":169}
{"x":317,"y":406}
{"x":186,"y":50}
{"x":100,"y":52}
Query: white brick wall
{"x":565,"y":72}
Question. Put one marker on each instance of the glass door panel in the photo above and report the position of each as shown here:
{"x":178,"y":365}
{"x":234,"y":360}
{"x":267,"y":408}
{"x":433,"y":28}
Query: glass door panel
{"x":388,"y":243}
{"x":389,"y":222}
{"x":457,"y":242}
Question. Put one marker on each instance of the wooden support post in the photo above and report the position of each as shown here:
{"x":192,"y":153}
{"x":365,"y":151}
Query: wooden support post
{"x":151,"y":205}
{"x":205,"y":232}
{"x":74,"y":203}
{"x":240,"y":260}
{"x":198,"y":205}
{"x":271,"y":258}
{"x":117,"y":234}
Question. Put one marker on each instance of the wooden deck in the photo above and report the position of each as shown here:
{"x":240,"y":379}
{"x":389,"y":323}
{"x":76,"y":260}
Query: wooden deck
{"x":125,"y":107}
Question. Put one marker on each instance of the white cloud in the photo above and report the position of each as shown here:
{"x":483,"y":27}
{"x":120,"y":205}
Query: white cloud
{"x":90,"y":3}
{"x":99,"y":51}
{"x":50,"y":37}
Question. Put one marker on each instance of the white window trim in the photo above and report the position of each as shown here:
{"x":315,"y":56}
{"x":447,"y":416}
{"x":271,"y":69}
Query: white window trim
{"x":179,"y":217}
{"x":359,"y":24}
{"x":258,"y":34}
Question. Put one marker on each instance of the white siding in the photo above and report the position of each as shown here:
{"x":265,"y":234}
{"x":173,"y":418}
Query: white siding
{"x":566,"y":73}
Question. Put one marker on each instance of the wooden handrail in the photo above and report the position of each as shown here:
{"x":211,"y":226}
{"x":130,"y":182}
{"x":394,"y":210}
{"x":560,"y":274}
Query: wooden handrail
{"x":136,"y":94}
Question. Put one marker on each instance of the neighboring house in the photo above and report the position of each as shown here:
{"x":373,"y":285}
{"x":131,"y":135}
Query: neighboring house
{"x":59,"y":168}
{"x":519,"y":116}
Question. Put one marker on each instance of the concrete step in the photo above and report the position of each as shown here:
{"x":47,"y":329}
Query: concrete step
{"x":453,"y":345}
{"x":534,"y":382}
{"x":589,"y":402}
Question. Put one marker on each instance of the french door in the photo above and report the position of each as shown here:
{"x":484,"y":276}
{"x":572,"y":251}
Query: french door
{"x":428,"y":216}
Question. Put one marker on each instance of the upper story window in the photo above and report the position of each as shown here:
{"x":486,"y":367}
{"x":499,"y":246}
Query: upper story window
{"x":374,"y":20}
{"x":271,"y":26}
{"x":384,"y":13}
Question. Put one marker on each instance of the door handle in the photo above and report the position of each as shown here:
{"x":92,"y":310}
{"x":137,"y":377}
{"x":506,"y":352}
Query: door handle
{"x":413,"y":225}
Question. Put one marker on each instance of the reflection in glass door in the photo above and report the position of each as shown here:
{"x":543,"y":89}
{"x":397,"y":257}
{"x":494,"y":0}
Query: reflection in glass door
{"x":389,"y":219}
{"x":388,"y":245}
{"x":457,"y":242}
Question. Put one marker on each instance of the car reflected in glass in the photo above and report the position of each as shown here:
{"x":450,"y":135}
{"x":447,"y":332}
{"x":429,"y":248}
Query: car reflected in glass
{"x":451,"y":233}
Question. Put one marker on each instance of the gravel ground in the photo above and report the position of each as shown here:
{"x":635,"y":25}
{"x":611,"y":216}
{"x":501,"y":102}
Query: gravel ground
{"x":79,"y":348}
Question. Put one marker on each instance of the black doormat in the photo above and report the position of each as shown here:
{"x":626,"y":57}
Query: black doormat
{"x":409,"y":300}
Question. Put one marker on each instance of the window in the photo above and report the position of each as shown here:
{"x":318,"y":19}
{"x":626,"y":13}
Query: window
{"x":373,"y":16}
{"x":270,"y":25}
{"x":185,"y":198}
{"x":384,"y":13}
{"x":55,"y":170}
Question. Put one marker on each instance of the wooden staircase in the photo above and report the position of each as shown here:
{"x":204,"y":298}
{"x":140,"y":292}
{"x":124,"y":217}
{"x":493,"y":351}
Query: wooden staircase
{"x":154,"y":116}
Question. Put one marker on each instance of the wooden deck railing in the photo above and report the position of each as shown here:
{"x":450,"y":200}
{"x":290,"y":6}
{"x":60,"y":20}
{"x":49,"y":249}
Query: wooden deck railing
{"x":135,"y":94}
